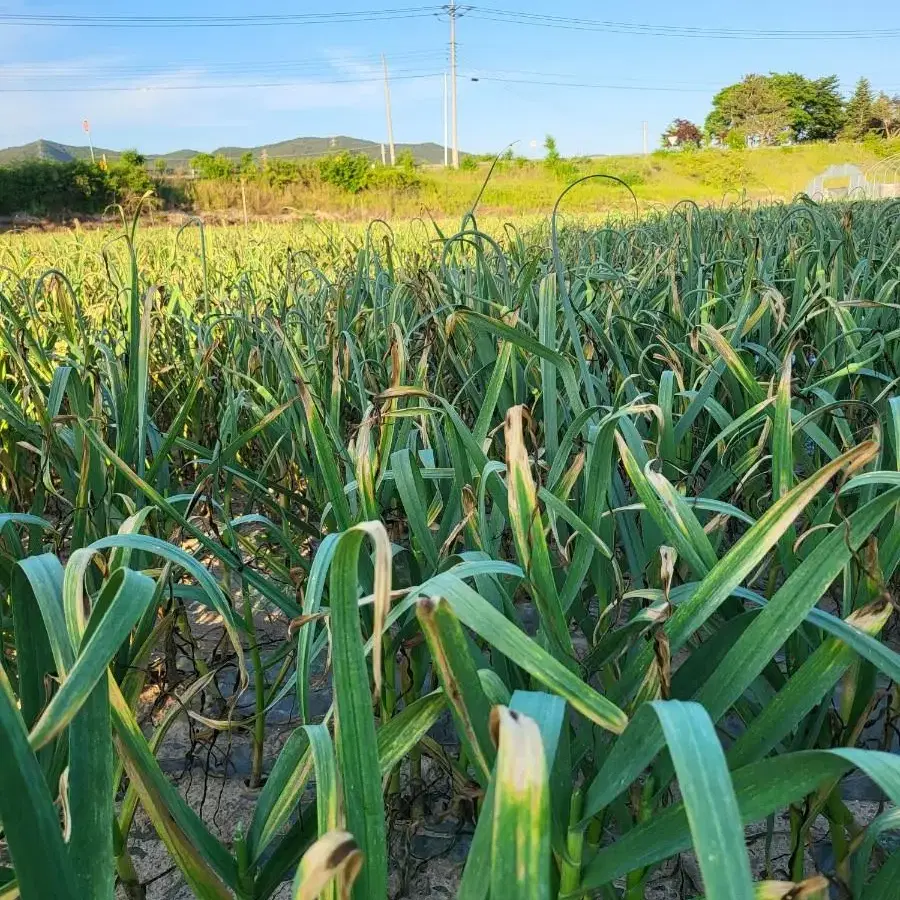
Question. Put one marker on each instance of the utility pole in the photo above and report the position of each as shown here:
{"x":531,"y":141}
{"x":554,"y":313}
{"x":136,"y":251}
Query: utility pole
{"x":87,"y":130}
{"x":646,"y":145}
{"x":452,"y":11}
{"x":387,"y":109}
{"x":446,"y":126}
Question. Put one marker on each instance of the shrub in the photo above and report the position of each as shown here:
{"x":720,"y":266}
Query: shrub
{"x":247,"y":167}
{"x":406,"y":161}
{"x":883,"y":148}
{"x":393,"y":178}
{"x":348,"y":171}
{"x":632,"y":179}
{"x":47,"y":188}
{"x":132,"y":159}
{"x":552,"y":157}
{"x":128,"y":179}
{"x":736,"y":139}
{"x":565,"y":170}
{"x":279,"y":173}
{"x":212,"y":168}
{"x":718,"y":169}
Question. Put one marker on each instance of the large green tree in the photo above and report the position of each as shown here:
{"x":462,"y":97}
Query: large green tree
{"x":770,"y":108}
{"x":816,"y":107}
{"x":886,"y":113}
{"x":860,"y":117}
{"x":752,"y":108}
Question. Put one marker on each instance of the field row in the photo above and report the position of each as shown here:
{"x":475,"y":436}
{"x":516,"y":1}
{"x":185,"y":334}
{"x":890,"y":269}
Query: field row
{"x":512,"y":527}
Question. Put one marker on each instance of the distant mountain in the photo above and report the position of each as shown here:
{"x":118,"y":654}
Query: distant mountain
{"x":42,"y":149}
{"x":297,"y":148}
{"x":301,"y":147}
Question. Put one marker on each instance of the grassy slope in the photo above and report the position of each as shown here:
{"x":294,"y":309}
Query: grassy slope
{"x":768,"y":173}
{"x":664,"y":178}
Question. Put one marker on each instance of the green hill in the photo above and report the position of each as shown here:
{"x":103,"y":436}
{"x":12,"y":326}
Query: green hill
{"x":43,"y":149}
{"x":296,"y":148}
{"x":301,"y":147}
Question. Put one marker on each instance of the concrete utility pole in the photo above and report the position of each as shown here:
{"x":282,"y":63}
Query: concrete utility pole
{"x":387,"y":110}
{"x":452,"y":11}
{"x":446,"y":126}
{"x":87,"y":130}
{"x":646,"y":144}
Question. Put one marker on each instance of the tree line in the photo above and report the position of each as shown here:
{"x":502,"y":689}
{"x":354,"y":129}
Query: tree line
{"x":352,"y":172}
{"x":788,"y":108}
{"x":48,"y":187}
{"x":51,"y":188}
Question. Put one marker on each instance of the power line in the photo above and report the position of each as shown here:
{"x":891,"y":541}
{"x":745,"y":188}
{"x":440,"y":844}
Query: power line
{"x":561,"y":80}
{"x":108,"y":69}
{"x":137,"y":80}
{"x":314,"y":69}
{"x":486,"y":73}
{"x":542,"y":20}
{"x":505,"y":16}
{"x":314,"y":79}
{"x":594,"y":85}
{"x":221,"y":86}
{"x":319,"y":18}
{"x":200,"y":81}
{"x":411,"y":63}
{"x":268,"y":72}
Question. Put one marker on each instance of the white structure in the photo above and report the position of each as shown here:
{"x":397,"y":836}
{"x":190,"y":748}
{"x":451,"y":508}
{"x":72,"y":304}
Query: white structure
{"x":885,"y":176}
{"x":880,"y":180}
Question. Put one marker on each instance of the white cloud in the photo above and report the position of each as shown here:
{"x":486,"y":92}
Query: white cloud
{"x":174,"y":107}
{"x":176,"y":99}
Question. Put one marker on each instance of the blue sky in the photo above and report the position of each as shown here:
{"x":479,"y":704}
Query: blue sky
{"x":327,"y":75}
